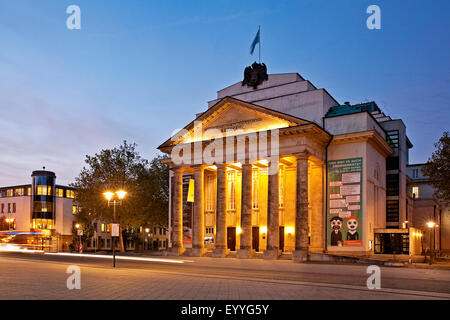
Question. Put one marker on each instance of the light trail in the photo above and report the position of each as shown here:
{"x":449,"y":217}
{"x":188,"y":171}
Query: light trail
{"x":117,"y":257}
{"x":17,"y":248}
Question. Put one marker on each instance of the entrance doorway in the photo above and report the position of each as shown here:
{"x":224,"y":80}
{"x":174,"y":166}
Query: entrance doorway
{"x":255,"y":238}
{"x":231,"y":238}
{"x":281,"y":237}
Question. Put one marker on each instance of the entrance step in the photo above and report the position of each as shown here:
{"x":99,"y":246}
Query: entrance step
{"x":285,"y":256}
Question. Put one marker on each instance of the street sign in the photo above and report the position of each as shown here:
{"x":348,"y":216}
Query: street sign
{"x":115,"y":229}
{"x":79,"y":232}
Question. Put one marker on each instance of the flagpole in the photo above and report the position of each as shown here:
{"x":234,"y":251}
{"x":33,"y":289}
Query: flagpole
{"x":259,"y":31}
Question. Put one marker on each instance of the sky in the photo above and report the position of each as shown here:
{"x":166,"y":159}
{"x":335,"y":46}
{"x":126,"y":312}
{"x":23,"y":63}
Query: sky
{"x":139,"y":69}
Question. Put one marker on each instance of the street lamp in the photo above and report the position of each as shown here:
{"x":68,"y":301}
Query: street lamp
{"x":9,"y":221}
{"x":431,"y":225}
{"x":80,"y":233}
{"x":112,"y":202}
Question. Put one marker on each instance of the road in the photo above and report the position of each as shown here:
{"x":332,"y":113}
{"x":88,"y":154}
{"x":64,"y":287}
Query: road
{"x":37,"y":276}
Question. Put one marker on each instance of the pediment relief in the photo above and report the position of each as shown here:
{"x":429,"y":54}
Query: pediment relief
{"x":234,"y":119}
{"x":231,"y":117}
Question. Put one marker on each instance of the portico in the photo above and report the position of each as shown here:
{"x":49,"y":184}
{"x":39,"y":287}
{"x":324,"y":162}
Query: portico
{"x":258,"y":182}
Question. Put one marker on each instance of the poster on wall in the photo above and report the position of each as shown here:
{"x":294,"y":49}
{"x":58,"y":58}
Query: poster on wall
{"x":344,"y":192}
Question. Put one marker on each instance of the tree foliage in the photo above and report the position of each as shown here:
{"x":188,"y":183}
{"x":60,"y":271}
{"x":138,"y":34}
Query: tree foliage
{"x":438,"y":168}
{"x":122,"y":168}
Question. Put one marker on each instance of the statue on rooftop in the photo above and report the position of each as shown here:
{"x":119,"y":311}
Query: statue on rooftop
{"x":255,"y":74}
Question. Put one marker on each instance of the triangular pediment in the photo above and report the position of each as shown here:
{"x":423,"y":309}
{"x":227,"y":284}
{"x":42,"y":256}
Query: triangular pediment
{"x":230,"y":117}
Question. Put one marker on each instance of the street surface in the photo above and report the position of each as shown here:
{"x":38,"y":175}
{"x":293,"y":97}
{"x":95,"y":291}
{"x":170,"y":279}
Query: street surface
{"x":38,"y":276}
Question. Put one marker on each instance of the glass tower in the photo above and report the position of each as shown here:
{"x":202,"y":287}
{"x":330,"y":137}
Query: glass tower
{"x":43,"y":200}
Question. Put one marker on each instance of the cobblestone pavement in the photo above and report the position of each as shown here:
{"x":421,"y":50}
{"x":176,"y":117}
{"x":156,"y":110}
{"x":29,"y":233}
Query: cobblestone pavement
{"x":42,"y":279}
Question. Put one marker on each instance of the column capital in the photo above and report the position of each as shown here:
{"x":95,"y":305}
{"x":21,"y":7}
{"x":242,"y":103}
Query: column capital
{"x":247,"y":165}
{"x":177,"y":169}
{"x":302,"y":156}
{"x":199,"y":167}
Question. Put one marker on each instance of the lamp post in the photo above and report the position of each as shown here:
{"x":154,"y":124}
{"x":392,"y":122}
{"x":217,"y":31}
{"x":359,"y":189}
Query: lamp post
{"x":431,"y":225}
{"x":79,"y":232}
{"x":112,"y":202}
{"x":9,"y":221}
{"x":147,"y":230}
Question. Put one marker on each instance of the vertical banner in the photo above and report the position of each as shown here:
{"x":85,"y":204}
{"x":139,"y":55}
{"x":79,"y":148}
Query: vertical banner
{"x":344,"y":192}
{"x":190,"y":197}
{"x":187,"y":212}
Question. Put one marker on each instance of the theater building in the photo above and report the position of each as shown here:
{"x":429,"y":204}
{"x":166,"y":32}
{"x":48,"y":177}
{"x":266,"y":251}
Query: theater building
{"x":277,"y":166}
{"x":40,"y":213}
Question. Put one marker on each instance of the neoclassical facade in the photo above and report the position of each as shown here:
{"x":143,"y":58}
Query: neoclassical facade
{"x":270,"y":171}
{"x":248,"y":198}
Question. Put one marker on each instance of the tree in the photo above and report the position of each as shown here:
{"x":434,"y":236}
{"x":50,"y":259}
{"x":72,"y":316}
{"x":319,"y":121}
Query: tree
{"x":122,"y":168}
{"x":438,"y":168}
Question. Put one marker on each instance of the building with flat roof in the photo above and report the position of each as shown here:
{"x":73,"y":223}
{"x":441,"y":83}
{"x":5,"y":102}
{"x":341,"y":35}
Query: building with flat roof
{"x":427,"y":207}
{"x":277,"y":166}
{"x":43,"y":210}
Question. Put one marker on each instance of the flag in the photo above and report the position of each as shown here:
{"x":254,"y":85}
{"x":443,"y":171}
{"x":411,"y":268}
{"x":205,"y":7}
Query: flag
{"x":255,"y":42}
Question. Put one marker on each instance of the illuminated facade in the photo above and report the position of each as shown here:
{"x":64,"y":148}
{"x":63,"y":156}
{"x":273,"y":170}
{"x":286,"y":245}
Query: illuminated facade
{"x":42,"y":207}
{"x":280,"y":169}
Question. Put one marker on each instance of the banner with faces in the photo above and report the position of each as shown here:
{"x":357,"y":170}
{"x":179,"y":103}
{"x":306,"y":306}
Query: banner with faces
{"x":344,"y":191}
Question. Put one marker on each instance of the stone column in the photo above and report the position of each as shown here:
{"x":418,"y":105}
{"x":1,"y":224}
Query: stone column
{"x":177,"y":213}
{"x":273,"y":225}
{"x":198,"y":232}
{"x":316,"y":204}
{"x":301,"y":213}
{"x":221,"y":213}
{"x":245,"y":250}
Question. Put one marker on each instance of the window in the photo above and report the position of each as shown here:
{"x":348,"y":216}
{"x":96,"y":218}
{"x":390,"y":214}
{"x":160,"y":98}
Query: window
{"x":9,"y":207}
{"x":103,"y":227}
{"x":59,"y":192}
{"x":3,"y":208}
{"x":70,"y":194}
{"x":255,"y":176}
{"x":392,"y":138}
{"x":415,"y":173}
{"x":14,"y":208}
{"x":281,"y":187}
{"x":44,"y":190}
{"x":210,"y":230}
{"x":18,"y":192}
{"x":415,"y":192}
{"x":392,"y":184}
{"x":231,"y":184}
{"x":210,"y":197}
{"x":392,"y":163}
{"x":74,"y":210}
{"x":9,"y":192}
{"x":392,"y":210}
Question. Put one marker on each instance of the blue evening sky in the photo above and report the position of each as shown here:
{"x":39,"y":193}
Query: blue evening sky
{"x":137,"y":70}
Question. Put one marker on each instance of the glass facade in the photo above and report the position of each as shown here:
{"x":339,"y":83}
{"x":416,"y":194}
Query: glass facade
{"x":43,"y":200}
